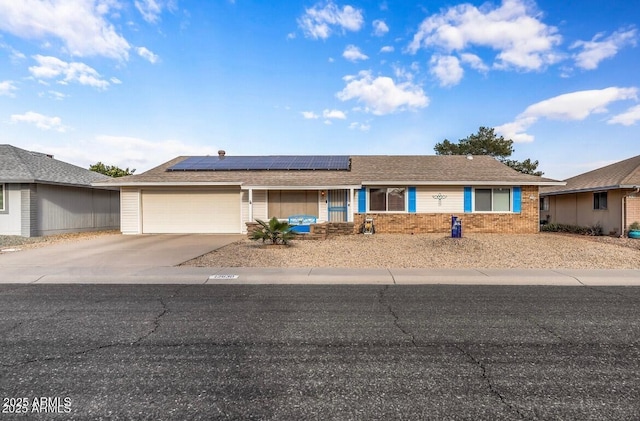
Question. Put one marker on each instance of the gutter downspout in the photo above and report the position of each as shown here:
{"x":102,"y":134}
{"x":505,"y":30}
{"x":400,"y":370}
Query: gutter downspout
{"x":624,"y":203}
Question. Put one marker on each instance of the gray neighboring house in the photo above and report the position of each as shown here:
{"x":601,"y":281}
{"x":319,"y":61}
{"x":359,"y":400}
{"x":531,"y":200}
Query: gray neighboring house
{"x":40,"y":196}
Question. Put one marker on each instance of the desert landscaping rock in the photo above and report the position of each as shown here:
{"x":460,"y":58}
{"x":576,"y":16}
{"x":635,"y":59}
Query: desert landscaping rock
{"x":500,"y":251}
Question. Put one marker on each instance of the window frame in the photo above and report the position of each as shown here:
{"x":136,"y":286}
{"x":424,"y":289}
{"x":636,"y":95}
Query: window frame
{"x":544,"y":203}
{"x":3,"y":197}
{"x":493,"y":189}
{"x":387,"y":189}
{"x":597,"y":199}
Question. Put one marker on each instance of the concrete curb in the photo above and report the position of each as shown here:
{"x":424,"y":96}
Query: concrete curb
{"x":318,"y":276}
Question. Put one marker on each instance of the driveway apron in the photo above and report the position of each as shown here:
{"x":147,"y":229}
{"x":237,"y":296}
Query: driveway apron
{"x":105,"y":255}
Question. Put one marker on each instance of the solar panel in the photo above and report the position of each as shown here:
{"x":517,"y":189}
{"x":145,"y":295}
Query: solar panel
{"x":264,"y":163}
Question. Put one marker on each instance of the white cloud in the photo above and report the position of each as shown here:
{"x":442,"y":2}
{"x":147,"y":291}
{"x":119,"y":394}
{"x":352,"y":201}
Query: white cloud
{"x":601,"y":48}
{"x":309,"y":115}
{"x":58,"y":96}
{"x":381,"y":95}
{"x":335,"y":114}
{"x":147,"y":55}
{"x":149,"y":9}
{"x":379,"y":27}
{"x":42,"y":122}
{"x":7,"y":88}
{"x":574,"y":106}
{"x":513,"y":30}
{"x":446,"y":69}
{"x":124,"y":151}
{"x":52,"y":67}
{"x":364,"y":127}
{"x":474,"y":61}
{"x":387,"y":49}
{"x":353,"y":53}
{"x":628,"y":118}
{"x":80,"y":25}
{"x":318,"y":21}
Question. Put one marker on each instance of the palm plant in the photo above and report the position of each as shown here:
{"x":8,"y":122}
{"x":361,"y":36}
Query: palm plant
{"x":274,"y":231}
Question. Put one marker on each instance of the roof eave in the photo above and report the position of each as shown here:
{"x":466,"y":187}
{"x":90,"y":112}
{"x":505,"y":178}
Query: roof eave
{"x":302,"y":187}
{"x":590,"y":189}
{"x":166,"y":183}
{"x":464,"y":183}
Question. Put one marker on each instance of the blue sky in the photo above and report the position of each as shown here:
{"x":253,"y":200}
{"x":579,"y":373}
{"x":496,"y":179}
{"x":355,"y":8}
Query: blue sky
{"x":136,"y":83}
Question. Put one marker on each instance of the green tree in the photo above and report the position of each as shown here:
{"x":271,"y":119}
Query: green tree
{"x":486,"y":142}
{"x":110,"y":170}
{"x":274,"y":231}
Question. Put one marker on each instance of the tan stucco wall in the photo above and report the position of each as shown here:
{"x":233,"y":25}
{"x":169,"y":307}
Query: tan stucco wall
{"x":577,"y":209}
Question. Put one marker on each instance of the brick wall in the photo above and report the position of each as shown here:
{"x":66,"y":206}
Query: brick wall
{"x":525,"y":222}
{"x":633,"y":209}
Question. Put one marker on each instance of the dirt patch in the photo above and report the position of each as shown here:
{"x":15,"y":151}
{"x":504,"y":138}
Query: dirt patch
{"x":18,"y":242}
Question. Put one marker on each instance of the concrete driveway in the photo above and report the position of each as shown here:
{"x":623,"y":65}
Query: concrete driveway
{"x":113,"y":255}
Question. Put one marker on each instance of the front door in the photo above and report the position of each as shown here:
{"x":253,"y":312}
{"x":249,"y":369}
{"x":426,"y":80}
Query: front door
{"x":337,"y":204}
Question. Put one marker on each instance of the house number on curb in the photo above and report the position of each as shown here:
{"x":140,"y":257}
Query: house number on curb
{"x":223,"y":277}
{"x":439,"y":198}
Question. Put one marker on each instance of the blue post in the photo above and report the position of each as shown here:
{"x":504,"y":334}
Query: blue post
{"x":456,"y":227}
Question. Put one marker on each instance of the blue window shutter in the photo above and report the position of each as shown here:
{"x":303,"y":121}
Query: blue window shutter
{"x":517,"y":200}
{"x":412,"y":199}
{"x":362,"y":200}
{"x":467,"y":199}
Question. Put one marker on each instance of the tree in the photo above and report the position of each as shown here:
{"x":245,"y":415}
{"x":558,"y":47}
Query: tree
{"x":486,"y":142}
{"x":274,"y":231}
{"x":110,"y":170}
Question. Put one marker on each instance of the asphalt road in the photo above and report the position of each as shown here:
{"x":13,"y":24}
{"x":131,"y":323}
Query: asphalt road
{"x":319,"y":352}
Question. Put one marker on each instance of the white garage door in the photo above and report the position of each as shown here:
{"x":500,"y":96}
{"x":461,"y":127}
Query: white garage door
{"x":191,"y":211}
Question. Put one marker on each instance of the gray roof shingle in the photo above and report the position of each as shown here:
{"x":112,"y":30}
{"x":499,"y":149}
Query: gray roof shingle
{"x":621,"y":174}
{"x":371,"y":169}
{"x":22,"y":166}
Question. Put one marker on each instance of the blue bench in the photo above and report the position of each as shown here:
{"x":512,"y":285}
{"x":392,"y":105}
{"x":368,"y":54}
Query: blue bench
{"x":301,"y":223}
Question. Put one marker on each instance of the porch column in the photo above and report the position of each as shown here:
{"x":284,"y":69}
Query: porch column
{"x":350,"y":206}
{"x":250,"y":205}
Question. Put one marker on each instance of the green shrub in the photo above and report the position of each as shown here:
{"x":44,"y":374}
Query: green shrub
{"x":595,"y":230}
{"x":635,"y":226}
{"x":273,"y":231}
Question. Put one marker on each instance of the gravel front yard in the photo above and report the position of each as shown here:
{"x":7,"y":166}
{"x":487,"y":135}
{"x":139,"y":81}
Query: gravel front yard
{"x":542,"y":251}
{"x":15,"y":241}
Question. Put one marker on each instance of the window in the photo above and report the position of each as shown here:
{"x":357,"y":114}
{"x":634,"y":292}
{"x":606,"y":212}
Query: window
{"x":600,"y":200}
{"x":544,"y":203}
{"x":493,"y":200}
{"x":388,"y":199}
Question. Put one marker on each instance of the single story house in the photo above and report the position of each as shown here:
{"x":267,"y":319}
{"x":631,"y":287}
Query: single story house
{"x":403,"y":194}
{"x":40,"y":195}
{"x":609,"y":196}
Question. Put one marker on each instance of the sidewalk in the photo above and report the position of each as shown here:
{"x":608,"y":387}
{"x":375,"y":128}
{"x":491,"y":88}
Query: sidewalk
{"x":315,"y":276}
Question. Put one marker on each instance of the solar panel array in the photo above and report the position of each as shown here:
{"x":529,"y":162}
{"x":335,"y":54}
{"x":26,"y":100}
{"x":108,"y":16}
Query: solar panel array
{"x":273,"y":162}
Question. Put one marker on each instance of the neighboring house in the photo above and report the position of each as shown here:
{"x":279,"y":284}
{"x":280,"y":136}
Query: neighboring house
{"x":403,"y":194}
{"x":40,"y":195}
{"x":608,"y":196}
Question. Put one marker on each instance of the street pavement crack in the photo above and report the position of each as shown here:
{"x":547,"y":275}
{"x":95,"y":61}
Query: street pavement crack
{"x":551,"y":332}
{"x":466,"y":353}
{"x":487,"y":379}
{"x":37,"y":319}
{"x":159,"y":316}
{"x":396,"y":319}
{"x":156,"y":325}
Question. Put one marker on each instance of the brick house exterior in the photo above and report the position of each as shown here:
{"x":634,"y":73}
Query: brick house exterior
{"x":402,"y":194}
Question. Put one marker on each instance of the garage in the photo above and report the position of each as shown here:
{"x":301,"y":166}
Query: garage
{"x":207,"y":211}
